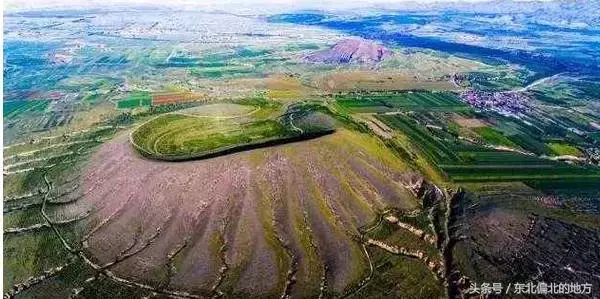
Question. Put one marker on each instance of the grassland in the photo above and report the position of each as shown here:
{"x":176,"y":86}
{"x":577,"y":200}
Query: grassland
{"x":183,"y":135}
{"x":43,"y":174}
{"x":561,"y":149}
{"x":401,"y":275}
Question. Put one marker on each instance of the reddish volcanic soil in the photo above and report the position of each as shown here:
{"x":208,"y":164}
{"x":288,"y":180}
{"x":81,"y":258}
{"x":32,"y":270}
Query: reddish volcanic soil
{"x":239,"y":223}
{"x":351,"y":51}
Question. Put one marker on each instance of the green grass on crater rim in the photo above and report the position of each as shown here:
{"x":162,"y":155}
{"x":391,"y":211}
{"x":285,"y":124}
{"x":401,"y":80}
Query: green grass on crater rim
{"x":179,"y":136}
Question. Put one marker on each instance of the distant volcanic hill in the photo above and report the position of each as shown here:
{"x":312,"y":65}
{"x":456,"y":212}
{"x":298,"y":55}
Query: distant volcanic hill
{"x":351,"y":51}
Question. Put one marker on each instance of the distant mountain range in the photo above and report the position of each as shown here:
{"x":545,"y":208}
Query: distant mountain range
{"x":546,"y":37}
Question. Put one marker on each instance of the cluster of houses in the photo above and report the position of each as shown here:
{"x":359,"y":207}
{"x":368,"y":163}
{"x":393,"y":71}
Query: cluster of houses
{"x":505,"y":102}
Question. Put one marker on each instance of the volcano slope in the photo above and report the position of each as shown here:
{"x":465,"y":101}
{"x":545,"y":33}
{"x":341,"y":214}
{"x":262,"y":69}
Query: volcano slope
{"x":263,"y":223}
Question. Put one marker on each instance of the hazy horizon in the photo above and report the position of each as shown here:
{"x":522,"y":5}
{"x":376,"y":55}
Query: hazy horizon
{"x":19,"y":5}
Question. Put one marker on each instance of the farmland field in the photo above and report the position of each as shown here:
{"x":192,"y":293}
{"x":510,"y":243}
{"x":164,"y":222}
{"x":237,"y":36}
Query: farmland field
{"x":406,"y":100}
{"x":494,"y":137}
{"x":462,"y":162}
{"x":136,"y":99}
{"x":13,"y":109}
{"x":217,"y":72}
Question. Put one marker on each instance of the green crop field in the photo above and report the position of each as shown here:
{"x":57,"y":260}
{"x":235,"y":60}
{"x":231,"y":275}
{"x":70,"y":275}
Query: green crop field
{"x":518,"y":172}
{"x":14,"y":108}
{"x":135,"y":99}
{"x":432,"y":147}
{"x":529,"y":143}
{"x":410,"y":100}
{"x":463,"y":163}
{"x":477,"y":155}
{"x":494,"y":136}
